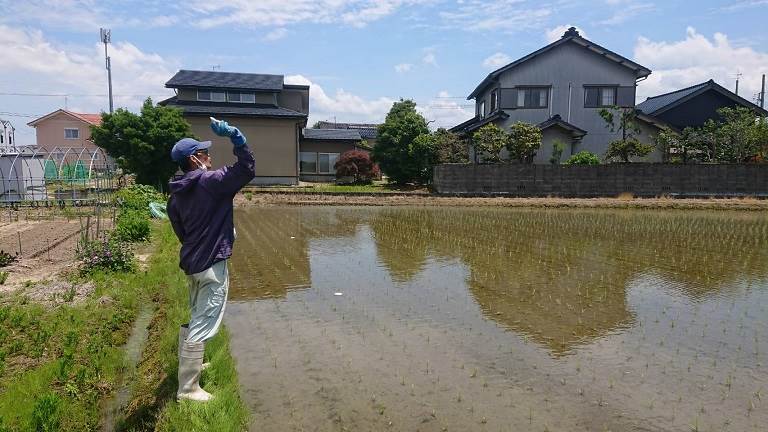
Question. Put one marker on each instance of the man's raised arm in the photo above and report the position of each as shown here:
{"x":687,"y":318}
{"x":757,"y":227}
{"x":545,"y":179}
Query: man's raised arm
{"x":230,"y":179}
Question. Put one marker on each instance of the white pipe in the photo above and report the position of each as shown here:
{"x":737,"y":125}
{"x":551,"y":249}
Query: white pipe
{"x":551,"y":90}
{"x":570,"y":87}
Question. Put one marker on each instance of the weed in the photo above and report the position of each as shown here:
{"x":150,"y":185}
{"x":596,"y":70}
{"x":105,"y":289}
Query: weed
{"x":45,"y":414}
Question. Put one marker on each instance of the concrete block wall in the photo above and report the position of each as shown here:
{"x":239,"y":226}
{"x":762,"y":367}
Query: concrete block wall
{"x":639,"y":179}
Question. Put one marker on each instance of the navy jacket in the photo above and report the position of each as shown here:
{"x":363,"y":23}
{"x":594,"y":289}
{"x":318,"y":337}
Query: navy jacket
{"x":200,"y":210}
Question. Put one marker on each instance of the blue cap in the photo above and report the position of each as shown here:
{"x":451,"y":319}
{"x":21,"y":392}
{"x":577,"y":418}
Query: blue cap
{"x":185,"y":147}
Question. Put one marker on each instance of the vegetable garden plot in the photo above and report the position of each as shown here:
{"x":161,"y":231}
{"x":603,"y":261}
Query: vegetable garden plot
{"x":501,"y":319}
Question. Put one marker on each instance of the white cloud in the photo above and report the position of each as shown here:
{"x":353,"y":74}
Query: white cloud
{"x":496,"y":61}
{"x":743,"y":4}
{"x":248,"y":13}
{"x":344,"y":106}
{"x":445,"y":111}
{"x":275,"y":34}
{"x":85,"y":16}
{"x":429,"y":59}
{"x":556,"y":33}
{"x":42,"y":66}
{"x":696,"y":59}
{"x":508,"y":16}
{"x":403,"y":67}
{"x":624,"y":10}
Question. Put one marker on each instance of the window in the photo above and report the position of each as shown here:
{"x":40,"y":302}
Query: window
{"x":308,"y":162}
{"x":532,"y":97}
{"x":71,"y":133}
{"x":481,"y":109}
{"x":494,"y":100}
{"x":598,"y":97}
{"x":241,"y":97}
{"x":326,"y":162}
{"x":214,"y":96}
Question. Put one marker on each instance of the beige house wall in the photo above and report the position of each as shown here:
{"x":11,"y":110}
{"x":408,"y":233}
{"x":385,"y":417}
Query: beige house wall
{"x":274,"y":143}
{"x":294,"y":99}
{"x":50,"y":132}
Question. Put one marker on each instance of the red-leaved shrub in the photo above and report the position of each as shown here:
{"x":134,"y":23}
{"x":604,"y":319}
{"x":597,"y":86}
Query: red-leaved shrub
{"x":357,"y":165}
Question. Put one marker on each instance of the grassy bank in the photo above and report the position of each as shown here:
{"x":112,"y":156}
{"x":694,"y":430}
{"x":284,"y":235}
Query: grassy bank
{"x":330,"y":188}
{"x":59,"y":363}
{"x":153,"y":406}
{"x":297,"y":198}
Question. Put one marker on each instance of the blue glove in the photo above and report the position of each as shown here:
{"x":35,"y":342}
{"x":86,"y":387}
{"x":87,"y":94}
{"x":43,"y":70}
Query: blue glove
{"x":221,"y":128}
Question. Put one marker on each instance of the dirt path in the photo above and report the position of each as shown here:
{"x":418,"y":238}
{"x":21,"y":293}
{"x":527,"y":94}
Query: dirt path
{"x":45,"y":249}
{"x":297,"y":198}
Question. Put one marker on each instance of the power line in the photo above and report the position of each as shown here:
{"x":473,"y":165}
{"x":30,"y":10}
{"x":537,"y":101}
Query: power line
{"x":77,"y":94}
{"x":13,"y":114}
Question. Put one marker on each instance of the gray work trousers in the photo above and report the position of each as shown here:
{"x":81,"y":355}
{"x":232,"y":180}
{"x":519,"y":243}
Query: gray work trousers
{"x":207,"y":298}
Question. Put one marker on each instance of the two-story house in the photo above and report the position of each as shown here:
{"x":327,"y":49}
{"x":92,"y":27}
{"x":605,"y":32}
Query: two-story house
{"x":561,"y":88}
{"x":269,"y":112}
{"x":65,"y":129}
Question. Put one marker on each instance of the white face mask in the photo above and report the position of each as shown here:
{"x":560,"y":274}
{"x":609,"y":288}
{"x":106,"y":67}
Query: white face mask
{"x":200,"y":165}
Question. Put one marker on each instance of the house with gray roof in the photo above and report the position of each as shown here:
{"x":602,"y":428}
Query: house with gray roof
{"x":562,"y":88}
{"x":368,"y":131}
{"x":694,"y":105}
{"x":270,"y":113}
{"x":321,"y":148}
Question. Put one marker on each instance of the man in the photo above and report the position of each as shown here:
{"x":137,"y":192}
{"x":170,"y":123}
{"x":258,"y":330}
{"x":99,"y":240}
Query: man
{"x":200,"y":210}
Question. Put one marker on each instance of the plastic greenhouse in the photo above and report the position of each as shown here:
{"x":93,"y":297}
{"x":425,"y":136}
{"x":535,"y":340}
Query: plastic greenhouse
{"x":36,"y":174}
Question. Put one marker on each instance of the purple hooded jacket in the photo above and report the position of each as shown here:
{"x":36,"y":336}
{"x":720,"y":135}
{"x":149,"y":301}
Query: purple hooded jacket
{"x":200,"y":210}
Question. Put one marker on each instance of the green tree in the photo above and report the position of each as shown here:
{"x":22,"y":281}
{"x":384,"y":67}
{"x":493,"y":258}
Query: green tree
{"x":401,"y":158}
{"x":141,"y":144}
{"x":625,"y":123}
{"x":668,"y":141}
{"x":623,"y":150}
{"x":450,"y":147}
{"x":488,"y":142}
{"x":557,"y":152}
{"x":739,"y":133}
{"x":583,"y":158}
{"x":703,"y":141}
{"x":524,"y":140}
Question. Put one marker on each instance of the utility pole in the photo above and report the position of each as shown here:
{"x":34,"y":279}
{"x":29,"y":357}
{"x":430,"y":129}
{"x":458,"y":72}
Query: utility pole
{"x":106,"y":36}
{"x":738,"y":75}
{"x":762,"y":94}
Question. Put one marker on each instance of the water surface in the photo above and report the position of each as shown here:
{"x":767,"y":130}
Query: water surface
{"x":432,"y":319}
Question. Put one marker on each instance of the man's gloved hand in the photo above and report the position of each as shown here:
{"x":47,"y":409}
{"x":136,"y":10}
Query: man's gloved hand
{"x":221,"y":128}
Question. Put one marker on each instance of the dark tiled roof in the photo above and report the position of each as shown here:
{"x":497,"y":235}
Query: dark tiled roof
{"x":658,"y":104}
{"x":558,"y":121}
{"x":226,"y":80}
{"x":367,"y":130}
{"x":475,"y":123}
{"x":569,"y":36}
{"x":655,"y":103}
{"x":196,"y":108}
{"x":332,"y":134}
{"x":655,"y":121}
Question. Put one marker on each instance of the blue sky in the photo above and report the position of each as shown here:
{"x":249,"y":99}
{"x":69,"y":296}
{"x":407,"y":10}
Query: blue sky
{"x":358,"y":55}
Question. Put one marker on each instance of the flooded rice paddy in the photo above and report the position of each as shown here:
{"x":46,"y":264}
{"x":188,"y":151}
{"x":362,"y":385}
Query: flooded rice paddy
{"x":461,"y":319}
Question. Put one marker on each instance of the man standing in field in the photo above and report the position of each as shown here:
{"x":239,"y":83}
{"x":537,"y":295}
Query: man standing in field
{"x":200,"y":210}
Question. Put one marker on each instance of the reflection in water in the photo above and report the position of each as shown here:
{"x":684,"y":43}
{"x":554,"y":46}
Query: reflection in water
{"x":627,"y":297}
{"x":558,"y":276}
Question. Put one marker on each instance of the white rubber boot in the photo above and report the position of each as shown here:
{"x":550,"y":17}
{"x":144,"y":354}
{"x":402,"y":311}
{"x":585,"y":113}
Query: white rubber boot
{"x":183,"y":332}
{"x":190,"y":367}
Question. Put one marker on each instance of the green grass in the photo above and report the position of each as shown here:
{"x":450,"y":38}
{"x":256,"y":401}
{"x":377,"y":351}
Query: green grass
{"x":376,"y":187}
{"x":58,"y":364}
{"x":153,"y":406}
